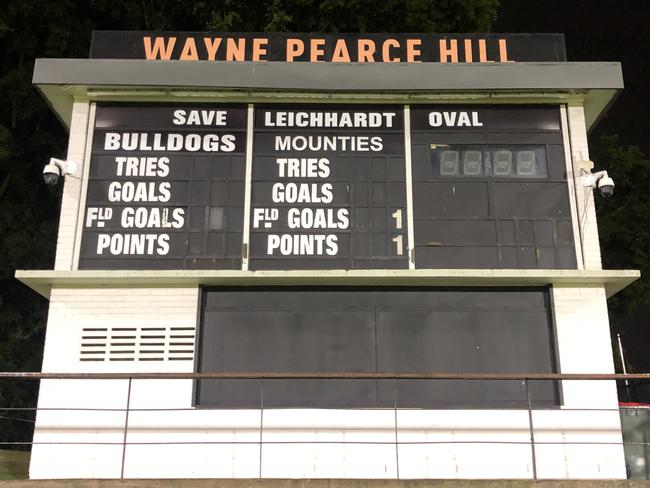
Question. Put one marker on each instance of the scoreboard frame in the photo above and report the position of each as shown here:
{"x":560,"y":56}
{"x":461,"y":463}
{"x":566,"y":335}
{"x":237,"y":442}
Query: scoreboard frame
{"x":453,"y":122}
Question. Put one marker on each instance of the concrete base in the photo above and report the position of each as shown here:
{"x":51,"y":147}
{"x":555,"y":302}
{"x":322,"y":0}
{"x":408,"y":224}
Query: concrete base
{"x":322,"y":483}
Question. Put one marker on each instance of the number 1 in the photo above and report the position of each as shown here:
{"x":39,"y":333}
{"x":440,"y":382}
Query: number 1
{"x":397,"y":215}
{"x":398,"y":243}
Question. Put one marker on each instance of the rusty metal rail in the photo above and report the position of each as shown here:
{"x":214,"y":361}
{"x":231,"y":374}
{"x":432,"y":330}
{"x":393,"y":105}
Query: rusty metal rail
{"x":327,"y":375}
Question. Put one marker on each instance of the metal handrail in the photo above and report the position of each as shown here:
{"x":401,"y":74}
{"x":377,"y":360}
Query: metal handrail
{"x":256,"y":375}
{"x":525,"y":378}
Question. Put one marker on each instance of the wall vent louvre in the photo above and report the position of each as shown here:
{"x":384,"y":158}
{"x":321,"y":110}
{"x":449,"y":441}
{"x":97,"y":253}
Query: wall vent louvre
{"x":163,"y":343}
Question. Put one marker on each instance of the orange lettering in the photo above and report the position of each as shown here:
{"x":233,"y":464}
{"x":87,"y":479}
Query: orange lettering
{"x":448,"y":52}
{"x":235,"y":49}
{"x":341,"y":53}
{"x":259,"y":49}
{"x":503,"y":51}
{"x":482,"y":52}
{"x":365,"y":51}
{"x":295,"y":48}
{"x":385,"y":51}
{"x":212,"y":45}
{"x":159,"y":48}
{"x":315,"y":49}
{"x":469,"y":57}
{"x":189,"y":51}
{"x":412,"y":51}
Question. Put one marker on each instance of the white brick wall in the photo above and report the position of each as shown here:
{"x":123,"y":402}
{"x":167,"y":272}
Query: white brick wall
{"x":584,"y":346}
{"x":581,"y":317}
{"x":72,"y":186}
{"x":585,"y":203}
{"x":157,"y":438}
{"x":71,"y":309}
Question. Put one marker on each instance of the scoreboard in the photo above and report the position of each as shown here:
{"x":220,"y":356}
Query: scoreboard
{"x":328,"y":188}
{"x":336,"y":186}
{"x":165,"y":189}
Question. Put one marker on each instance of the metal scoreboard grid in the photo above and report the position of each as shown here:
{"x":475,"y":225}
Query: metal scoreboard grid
{"x":296,"y":169}
{"x":165,"y":195}
{"x":329,"y":186}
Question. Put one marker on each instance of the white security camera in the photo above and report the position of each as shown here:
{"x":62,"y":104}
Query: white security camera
{"x":606,"y":186}
{"x":601,"y":180}
{"x":58,"y":167}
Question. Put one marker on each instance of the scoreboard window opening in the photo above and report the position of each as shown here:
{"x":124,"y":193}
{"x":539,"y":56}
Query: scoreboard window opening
{"x":489,"y":161}
{"x":383,"y":329}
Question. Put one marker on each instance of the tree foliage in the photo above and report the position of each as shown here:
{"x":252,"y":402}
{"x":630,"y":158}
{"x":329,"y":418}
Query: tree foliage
{"x":353,"y":15}
{"x":30,"y":133}
{"x":624,"y":225}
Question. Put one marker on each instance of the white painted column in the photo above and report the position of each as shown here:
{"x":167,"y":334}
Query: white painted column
{"x":583,"y":438}
{"x":584,"y":196}
{"x":409,"y":186}
{"x":72,"y":187}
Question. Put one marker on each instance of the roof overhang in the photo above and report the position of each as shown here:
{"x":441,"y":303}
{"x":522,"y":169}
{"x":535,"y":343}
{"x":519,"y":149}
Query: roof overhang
{"x":42,"y":281}
{"x":61,"y":81}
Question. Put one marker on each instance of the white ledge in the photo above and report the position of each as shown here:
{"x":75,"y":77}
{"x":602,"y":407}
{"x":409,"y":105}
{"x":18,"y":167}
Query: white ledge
{"x":42,"y":281}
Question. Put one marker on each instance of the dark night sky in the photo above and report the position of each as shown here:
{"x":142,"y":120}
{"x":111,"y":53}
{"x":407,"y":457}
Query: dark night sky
{"x":598,"y":30}
{"x":603,"y":30}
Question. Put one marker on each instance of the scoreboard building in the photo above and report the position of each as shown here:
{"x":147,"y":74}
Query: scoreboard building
{"x":305,"y":203}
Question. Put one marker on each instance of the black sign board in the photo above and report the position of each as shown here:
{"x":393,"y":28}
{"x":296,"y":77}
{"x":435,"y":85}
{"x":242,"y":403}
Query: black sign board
{"x":328,"y":188}
{"x":383,"y":330}
{"x":490,"y":188}
{"x":335,"y":48}
{"x":166,"y":188}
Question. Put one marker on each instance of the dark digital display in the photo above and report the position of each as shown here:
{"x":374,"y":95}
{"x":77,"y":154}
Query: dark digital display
{"x":166,"y":187}
{"x":328,"y":188}
{"x":488,"y":161}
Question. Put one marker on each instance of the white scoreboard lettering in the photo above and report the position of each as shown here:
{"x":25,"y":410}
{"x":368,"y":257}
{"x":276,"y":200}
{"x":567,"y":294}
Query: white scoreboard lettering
{"x":326,"y":184}
{"x":159,"y":178}
{"x":326,"y":188}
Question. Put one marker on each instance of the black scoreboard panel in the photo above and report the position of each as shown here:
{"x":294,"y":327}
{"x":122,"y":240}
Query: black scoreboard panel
{"x":407,"y":329}
{"x":328,"y":188}
{"x":490,"y":188}
{"x":166,"y":187}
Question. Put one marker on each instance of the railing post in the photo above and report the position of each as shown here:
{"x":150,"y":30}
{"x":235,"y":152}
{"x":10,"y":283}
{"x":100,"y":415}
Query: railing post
{"x":531,"y":429}
{"x":126,"y":426}
{"x":396,"y":439}
{"x":261,"y":421}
